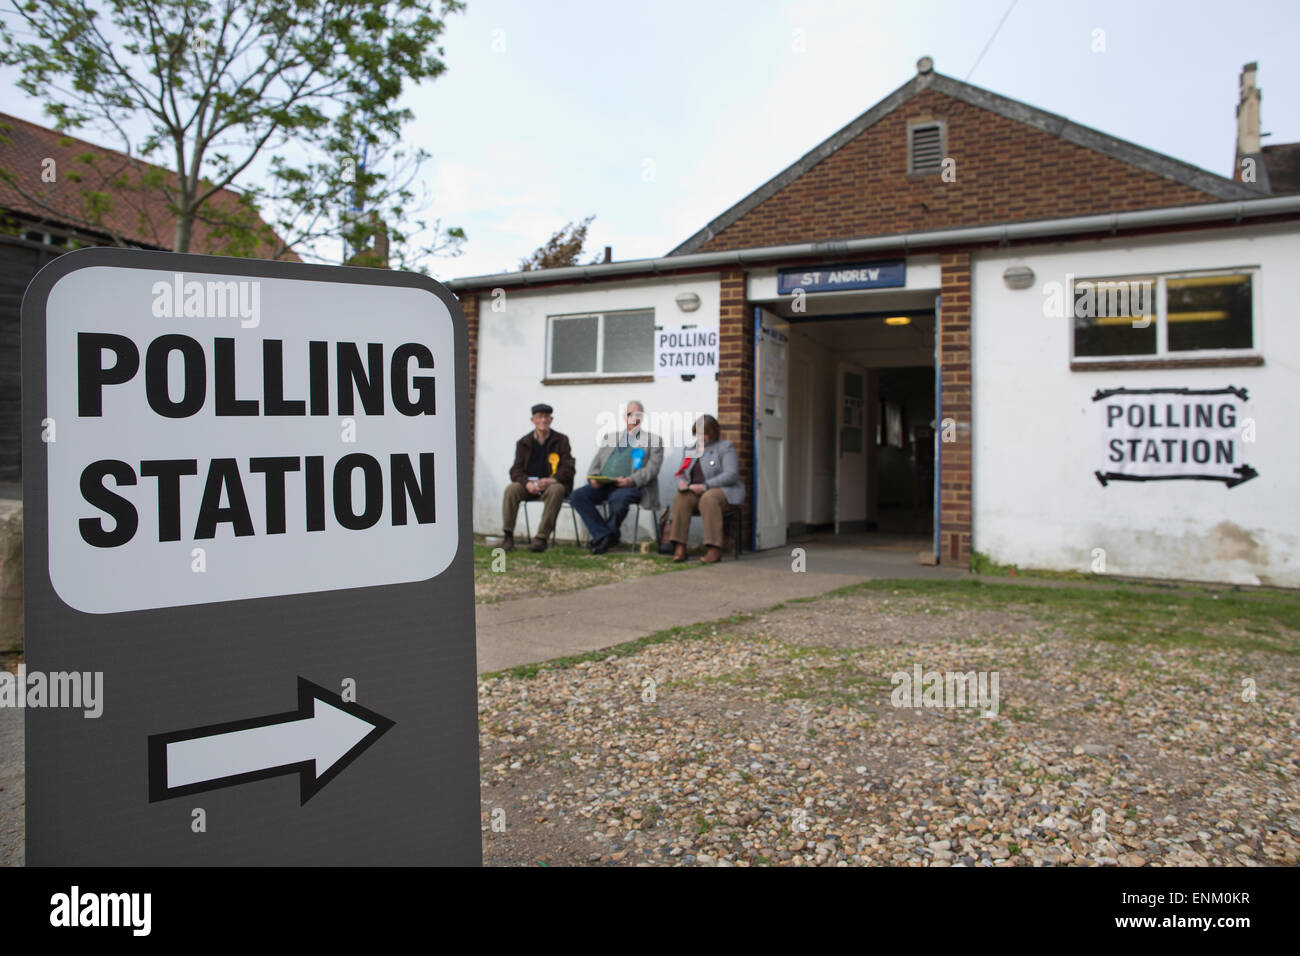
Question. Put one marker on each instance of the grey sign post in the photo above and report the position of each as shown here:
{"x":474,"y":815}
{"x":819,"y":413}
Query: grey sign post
{"x":248,"y":573}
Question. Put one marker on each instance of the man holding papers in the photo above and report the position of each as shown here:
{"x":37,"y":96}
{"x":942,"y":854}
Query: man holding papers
{"x":625,"y":470}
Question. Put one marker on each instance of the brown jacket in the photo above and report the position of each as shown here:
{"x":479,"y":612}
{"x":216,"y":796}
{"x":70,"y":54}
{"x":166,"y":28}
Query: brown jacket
{"x":556,"y":444}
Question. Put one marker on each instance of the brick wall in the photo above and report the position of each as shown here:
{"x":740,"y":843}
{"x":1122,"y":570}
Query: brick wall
{"x":954,"y":372}
{"x":1006,"y":171}
{"x":736,"y":382}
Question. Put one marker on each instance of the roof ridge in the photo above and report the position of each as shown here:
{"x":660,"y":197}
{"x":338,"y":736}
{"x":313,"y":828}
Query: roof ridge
{"x":8,"y":117}
{"x":1141,"y":157}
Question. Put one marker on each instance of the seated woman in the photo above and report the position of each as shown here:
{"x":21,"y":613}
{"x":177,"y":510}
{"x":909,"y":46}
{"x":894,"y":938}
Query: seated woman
{"x":708,"y":481}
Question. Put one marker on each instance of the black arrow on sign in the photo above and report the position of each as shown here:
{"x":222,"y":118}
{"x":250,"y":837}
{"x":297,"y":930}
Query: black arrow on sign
{"x":1240,"y":473}
{"x":316,"y":741}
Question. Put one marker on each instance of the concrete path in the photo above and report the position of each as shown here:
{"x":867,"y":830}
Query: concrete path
{"x":528,"y":630}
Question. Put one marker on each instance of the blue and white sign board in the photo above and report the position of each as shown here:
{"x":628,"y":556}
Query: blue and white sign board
{"x":844,"y":278}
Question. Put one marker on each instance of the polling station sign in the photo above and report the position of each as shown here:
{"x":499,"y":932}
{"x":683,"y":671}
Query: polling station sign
{"x":246,"y":510}
{"x":685,"y":350}
{"x":1174,"y":434}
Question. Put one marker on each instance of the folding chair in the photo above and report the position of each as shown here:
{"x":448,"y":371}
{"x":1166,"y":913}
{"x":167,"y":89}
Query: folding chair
{"x":523,"y":506}
{"x":603,"y":508}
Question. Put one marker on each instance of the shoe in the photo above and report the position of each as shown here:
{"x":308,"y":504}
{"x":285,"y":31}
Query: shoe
{"x":712,"y":556}
{"x":508,"y":541}
{"x":538,"y":544}
{"x":679,"y":553}
{"x":602,"y":544}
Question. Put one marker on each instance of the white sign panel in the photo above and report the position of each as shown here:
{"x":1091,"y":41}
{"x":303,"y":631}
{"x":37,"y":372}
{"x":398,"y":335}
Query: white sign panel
{"x":685,"y":351}
{"x":219,"y":437}
{"x":1160,"y":434}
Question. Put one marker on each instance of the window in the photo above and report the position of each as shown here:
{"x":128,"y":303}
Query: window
{"x":606,"y":344}
{"x":925,"y":147}
{"x":1163,"y":316}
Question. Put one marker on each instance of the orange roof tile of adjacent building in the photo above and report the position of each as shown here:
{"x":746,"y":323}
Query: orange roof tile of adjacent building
{"x":135,"y":215}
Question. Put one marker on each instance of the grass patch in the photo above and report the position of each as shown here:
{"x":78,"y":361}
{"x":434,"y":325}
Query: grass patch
{"x":682,"y":633}
{"x":1232,"y":618}
{"x":560,"y":568}
{"x":1182,"y":615}
{"x":981,"y":563}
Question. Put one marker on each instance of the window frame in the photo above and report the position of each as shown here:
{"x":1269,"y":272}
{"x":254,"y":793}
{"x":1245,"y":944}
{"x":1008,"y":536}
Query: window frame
{"x":598,"y":373}
{"x":1162,"y":354}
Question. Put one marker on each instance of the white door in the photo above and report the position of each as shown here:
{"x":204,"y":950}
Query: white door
{"x":772,"y":407}
{"x":851,"y":448}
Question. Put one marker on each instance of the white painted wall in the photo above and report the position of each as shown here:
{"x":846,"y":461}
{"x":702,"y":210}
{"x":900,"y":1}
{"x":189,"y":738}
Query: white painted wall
{"x":512,"y":364}
{"x":1036,"y":500}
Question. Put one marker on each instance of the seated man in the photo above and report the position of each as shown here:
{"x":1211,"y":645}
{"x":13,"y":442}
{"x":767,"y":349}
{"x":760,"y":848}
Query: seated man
{"x":629,"y":464}
{"x":543,"y":468}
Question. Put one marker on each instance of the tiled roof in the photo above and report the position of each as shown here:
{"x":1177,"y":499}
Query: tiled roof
{"x":135,"y":214}
{"x":1210,"y":186}
{"x":1282,"y":163}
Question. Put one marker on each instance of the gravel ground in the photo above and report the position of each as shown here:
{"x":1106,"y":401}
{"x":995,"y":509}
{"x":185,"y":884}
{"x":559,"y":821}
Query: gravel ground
{"x":774,"y":741}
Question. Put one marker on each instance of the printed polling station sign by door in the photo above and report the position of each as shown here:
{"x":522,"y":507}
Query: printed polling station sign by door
{"x":248,"y":505}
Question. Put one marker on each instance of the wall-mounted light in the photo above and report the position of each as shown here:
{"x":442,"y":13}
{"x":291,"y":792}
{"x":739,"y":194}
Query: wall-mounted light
{"x":687,"y":301}
{"x":898,"y":320}
{"x":1018,"y":277}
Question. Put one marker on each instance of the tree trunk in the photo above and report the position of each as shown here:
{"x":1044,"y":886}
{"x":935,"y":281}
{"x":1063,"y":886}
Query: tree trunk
{"x":184,"y":226}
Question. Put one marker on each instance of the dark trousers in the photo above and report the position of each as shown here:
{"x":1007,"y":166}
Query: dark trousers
{"x":585,"y":498}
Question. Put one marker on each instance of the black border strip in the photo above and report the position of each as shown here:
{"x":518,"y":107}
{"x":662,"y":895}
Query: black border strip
{"x":1245,"y":473}
{"x":1229,"y":390}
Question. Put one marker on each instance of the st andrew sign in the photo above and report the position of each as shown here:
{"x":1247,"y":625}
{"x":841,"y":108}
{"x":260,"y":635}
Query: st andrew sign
{"x":244,"y":478}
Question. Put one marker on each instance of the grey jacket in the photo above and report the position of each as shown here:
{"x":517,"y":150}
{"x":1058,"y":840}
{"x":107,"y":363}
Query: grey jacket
{"x":647,"y":476}
{"x":721,"y":469}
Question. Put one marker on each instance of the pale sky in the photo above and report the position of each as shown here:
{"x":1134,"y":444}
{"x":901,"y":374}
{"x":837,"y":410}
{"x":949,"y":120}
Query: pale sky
{"x":550,"y":112}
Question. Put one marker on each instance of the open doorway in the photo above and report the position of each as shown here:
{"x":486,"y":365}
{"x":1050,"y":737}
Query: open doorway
{"x":859,"y":442}
{"x":904,"y":460}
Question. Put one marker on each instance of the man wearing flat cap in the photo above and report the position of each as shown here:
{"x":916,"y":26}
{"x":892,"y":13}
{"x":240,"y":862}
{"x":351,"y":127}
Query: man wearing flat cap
{"x":543,"y":468}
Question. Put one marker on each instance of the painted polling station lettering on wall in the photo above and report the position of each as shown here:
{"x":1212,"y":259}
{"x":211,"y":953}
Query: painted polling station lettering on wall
{"x":285,"y":428}
{"x":1168,"y":434}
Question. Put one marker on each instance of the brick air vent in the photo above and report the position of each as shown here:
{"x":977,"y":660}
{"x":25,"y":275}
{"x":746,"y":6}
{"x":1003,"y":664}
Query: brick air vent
{"x":926,"y":152}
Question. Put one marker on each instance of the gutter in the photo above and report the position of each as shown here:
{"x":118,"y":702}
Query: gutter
{"x":1235,"y":210}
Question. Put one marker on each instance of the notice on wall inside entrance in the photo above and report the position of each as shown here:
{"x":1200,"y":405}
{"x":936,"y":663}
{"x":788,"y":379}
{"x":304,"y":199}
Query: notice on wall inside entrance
{"x":1167,"y":434}
{"x":685,"y":350}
